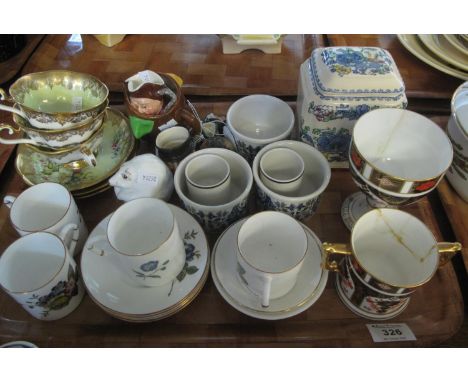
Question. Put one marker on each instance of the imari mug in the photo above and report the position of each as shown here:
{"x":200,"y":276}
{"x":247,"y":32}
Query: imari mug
{"x":390,"y":255}
{"x":145,"y":241}
{"x":46,"y":207}
{"x":39,"y":272}
{"x":271,"y":250}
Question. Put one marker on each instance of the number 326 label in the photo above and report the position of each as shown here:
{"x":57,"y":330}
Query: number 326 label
{"x":390,"y":332}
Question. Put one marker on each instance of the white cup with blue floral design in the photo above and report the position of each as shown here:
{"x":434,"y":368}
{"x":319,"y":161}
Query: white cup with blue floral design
{"x":256,"y":121}
{"x":39,"y":272}
{"x":145,"y":241}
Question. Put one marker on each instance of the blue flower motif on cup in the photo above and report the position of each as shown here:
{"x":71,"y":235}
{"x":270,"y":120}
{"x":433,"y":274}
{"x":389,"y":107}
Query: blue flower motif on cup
{"x":150,"y":269}
{"x":219,"y":220}
{"x":365,"y":61}
{"x":149,"y":266}
{"x":298,"y":211}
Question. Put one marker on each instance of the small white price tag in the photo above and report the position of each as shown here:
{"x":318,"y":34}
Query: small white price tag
{"x":390,"y":332}
{"x":147,"y":178}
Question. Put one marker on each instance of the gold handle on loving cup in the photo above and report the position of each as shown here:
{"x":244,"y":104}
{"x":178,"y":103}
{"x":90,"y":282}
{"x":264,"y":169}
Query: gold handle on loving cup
{"x":334,"y":249}
{"x":447,"y":251}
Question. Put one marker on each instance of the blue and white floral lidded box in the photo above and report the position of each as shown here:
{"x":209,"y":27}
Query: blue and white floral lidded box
{"x":336,"y":86}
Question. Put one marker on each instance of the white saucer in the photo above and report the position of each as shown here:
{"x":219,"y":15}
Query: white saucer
{"x":116,"y":292}
{"x":309,"y":286}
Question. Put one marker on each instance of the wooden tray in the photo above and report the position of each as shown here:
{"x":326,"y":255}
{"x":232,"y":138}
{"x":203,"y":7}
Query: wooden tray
{"x":435,"y":313}
{"x":198,"y":59}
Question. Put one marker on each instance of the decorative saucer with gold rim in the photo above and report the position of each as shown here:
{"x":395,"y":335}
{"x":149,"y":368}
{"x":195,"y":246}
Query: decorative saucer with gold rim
{"x":117,"y":294}
{"x":117,"y":145}
{"x":309,"y":287}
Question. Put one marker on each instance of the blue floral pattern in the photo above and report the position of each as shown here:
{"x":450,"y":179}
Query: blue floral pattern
{"x":247,"y":151}
{"x":150,"y":269}
{"x":326,"y":113}
{"x":298,"y":211}
{"x":364,"y":61}
{"x":332,"y":142}
{"x":215,"y":222}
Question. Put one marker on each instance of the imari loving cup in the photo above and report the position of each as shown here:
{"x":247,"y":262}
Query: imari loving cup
{"x":391,"y":253}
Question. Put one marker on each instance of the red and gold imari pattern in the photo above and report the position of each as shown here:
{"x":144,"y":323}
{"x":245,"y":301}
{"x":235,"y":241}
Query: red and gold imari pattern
{"x":388,"y":182}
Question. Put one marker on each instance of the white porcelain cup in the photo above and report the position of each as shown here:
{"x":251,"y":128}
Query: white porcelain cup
{"x":145,"y":241}
{"x":46,"y":207}
{"x":256,"y":121}
{"x":208,"y":179}
{"x":271,"y":250}
{"x":38,"y":271}
{"x":281,"y":170}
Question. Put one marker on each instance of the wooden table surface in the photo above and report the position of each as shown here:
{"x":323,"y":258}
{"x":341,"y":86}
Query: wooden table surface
{"x":198,"y":59}
{"x":210,"y":321}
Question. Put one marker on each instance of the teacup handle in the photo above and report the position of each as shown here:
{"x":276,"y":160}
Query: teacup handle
{"x":447,"y":251}
{"x":97,"y":249}
{"x":334,"y":249}
{"x":266,"y":291}
{"x":69,"y":235}
{"x":11,"y":130}
{"x":4,"y":97}
{"x":8,"y":200}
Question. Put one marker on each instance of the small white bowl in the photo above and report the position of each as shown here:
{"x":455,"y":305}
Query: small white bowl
{"x":256,"y":121}
{"x":216,"y":218}
{"x":317,"y":174}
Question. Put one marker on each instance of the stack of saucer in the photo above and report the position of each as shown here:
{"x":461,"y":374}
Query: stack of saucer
{"x":121,"y":297}
{"x":445,"y":52}
{"x":71,"y":137}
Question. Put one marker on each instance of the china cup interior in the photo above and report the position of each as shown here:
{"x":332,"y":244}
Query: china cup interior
{"x":240,"y":175}
{"x":140,"y":226}
{"x":172,"y":138}
{"x":282,"y":165}
{"x":207,"y":171}
{"x":40,"y":207}
{"x":31,"y":262}
{"x":316,"y":175}
{"x":272,"y":242}
{"x":59,"y":91}
{"x":261,"y":118}
{"x":403,"y":144}
{"x":395,"y":247}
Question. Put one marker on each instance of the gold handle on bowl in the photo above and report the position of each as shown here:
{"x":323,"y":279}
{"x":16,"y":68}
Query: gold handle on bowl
{"x":447,"y":251}
{"x":334,"y":249}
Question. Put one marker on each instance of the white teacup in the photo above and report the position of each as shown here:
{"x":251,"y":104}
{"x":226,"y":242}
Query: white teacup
{"x":145,"y":240}
{"x":271,"y":250}
{"x":281,"y":170}
{"x":257,"y":120}
{"x":46,"y":207}
{"x":208,"y":179}
{"x":38,"y":271}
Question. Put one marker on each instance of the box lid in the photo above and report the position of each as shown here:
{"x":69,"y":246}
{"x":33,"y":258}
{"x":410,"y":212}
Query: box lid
{"x":355,"y":71}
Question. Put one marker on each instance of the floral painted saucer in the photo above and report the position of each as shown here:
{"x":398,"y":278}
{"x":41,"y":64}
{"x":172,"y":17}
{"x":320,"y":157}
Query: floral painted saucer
{"x":117,"y":294}
{"x":117,"y":144}
{"x":309,"y":286}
